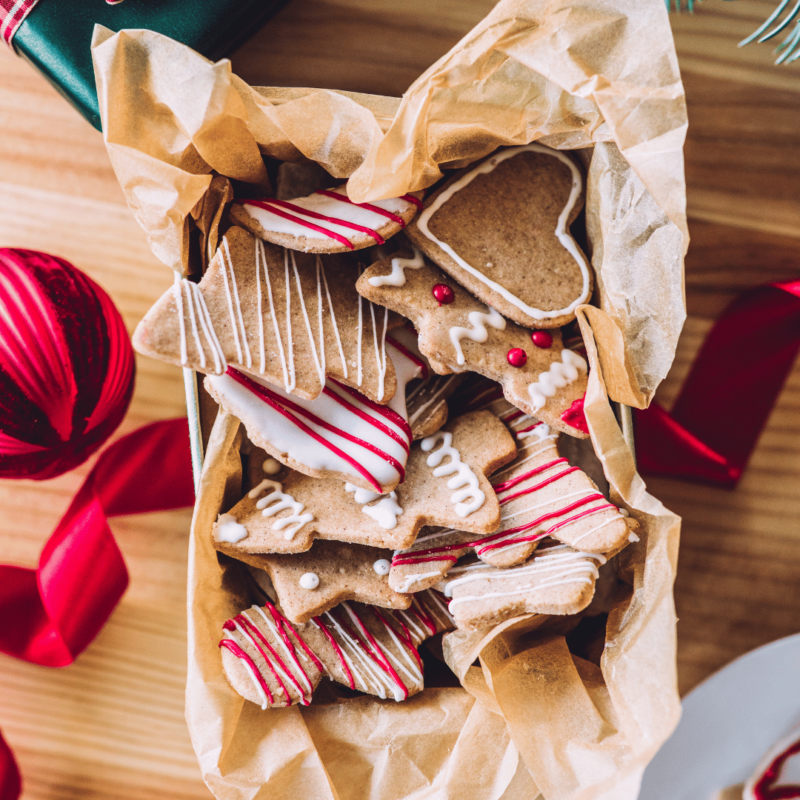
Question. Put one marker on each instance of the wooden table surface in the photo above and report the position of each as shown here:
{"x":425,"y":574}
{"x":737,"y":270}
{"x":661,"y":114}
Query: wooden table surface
{"x":112,"y":724}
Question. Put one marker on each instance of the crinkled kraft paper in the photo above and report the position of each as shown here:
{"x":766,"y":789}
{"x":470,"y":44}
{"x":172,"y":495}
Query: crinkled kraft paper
{"x":532,"y":717}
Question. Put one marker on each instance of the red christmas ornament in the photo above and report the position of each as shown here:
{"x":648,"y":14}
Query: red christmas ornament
{"x":517,"y":357}
{"x":542,"y":339}
{"x":443,"y":294}
{"x":66,"y":365}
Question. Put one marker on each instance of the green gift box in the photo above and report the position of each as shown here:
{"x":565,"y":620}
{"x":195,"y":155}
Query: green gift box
{"x":55,"y":35}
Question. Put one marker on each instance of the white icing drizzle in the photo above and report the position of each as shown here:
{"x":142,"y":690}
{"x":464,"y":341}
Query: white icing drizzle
{"x":435,"y":397}
{"x":464,"y":476}
{"x":229,"y":529}
{"x":284,"y":365}
{"x":376,"y":676}
{"x":290,"y":341}
{"x":385,"y":512}
{"x":360,"y":330}
{"x":181,"y":320}
{"x":196,"y":305}
{"x":561,"y":564}
{"x":227,"y":265}
{"x":380,"y":351}
{"x":397,"y":277}
{"x":477,"y":330}
{"x":319,"y":363}
{"x":412,"y":579}
{"x":275,"y":502}
{"x":274,"y":664}
{"x":309,"y":580}
{"x":560,"y":374}
{"x":321,"y":270}
{"x":382,"y":566}
{"x":562,"y":233}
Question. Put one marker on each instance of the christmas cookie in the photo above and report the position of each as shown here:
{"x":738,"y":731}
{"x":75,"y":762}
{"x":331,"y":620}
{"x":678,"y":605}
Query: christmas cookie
{"x":556,"y":580}
{"x":541,"y":495}
{"x":341,"y":434}
{"x":458,"y":332}
{"x":445,"y":484}
{"x":284,"y":317}
{"x":307,"y":584}
{"x":326,"y":221}
{"x":501,"y":229}
{"x":273,"y":663}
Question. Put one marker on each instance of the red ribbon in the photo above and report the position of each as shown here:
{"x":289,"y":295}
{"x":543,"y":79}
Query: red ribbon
{"x":731,"y":389}
{"x":50,"y":614}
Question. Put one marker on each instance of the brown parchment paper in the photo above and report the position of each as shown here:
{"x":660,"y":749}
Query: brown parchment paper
{"x":531,"y":717}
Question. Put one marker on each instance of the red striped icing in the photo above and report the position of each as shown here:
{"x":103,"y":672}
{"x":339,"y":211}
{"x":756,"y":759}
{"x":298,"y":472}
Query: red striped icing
{"x":512,"y":482}
{"x":252,"y":629}
{"x":410,"y":356}
{"x":234,"y":648}
{"x":384,"y":411}
{"x":286,"y":407}
{"x":368,"y":206}
{"x":281,"y":623}
{"x":421,"y":613}
{"x":321,"y":625}
{"x":405,"y":638}
{"x":540,"y":485}
{"x":409,"y":198}
{"x":332,"y":234}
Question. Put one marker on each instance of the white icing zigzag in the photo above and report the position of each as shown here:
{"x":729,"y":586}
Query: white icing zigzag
{"x":275,"y":502}
{"x":397,"y":277}
{"x":560,"y":374}
{"x":465,"y":477}
{"x":477,"y":330}
{"x":385,"y":512}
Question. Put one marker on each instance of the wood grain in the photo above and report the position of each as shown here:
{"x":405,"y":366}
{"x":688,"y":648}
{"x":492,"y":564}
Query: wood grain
{"x":111,"y":725}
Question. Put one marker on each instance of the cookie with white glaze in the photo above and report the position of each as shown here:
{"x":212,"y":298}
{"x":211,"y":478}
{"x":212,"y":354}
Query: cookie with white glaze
{"x":557,"y":580}
{"x":274,"y":663}
{"x":542,"y":497}
{"x":445,"y":484}
{"x":326,"y":221}
{"x":288,"y":318}
{"x":501,"y":229}
{"x":458,"y":332}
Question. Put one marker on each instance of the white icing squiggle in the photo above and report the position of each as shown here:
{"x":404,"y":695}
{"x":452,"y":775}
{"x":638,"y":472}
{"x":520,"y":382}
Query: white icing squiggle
{"x":464,"y":477}
{"x":275,"y":502}
{"x":477,"y":330}
{"x":397,"y":277}
{"x":560,"y":374}
{"x":561,"y":231}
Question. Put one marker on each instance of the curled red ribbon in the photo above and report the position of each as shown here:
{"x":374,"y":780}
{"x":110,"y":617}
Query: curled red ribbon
{"x":50,"y":614}
{"x":730,"y":391}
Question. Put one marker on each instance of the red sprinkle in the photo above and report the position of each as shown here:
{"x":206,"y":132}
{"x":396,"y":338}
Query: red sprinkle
{"x":542,"y":339}
{"x":443,"y":294}
{"x":517,"y":357}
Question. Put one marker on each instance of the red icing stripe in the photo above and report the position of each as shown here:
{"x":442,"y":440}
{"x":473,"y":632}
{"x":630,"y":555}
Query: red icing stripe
{"x":427,"y":555}
{"x":321,"y":625}
{"x":368,"y":206}
{"x":504,"y":486}
{"x":338,"y":237}
{"x":512,"y":416}
{"x":406,"y":637}
{"x":529,"y":428}
{"x":375,"y":654}
{"x":421,"y":613}
{"x":538,"y":486}
{"x":229,"y":644}
{"x":384,"y":411}
{"x":251,"y":629}
{"x":367,"y":418}
{"x":281,"y":623}
{"x":269,"y":398}
{"x":409,"y":198}
{"x":423,"y":367}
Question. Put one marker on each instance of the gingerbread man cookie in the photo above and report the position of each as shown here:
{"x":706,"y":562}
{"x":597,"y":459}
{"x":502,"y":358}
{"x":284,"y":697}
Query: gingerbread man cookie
{"x":287,"y":318}
{"x":273,"y":663}
{"x":541,"y":495}
{"x":326,"y":221}
{"x":501,"y":229}
{"x":456,"y":331}
{"x":445,"y":484}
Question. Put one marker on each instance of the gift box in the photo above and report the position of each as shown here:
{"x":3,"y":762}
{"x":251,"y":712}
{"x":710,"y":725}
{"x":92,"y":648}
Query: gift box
{"x":56,"y":36}
{"x":530,"y":715}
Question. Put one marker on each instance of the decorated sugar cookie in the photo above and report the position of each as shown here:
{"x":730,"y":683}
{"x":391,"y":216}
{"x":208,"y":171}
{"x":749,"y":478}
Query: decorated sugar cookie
{"x":541,"y":496}
{"x":501,"y":229}
{"x":458,"y":332}
{"x":275,"y":664}
{"x":557,"y":579}
{"x":326,"y":221}
{"x":445,"y":484}
{"x":288,"y":318}
{"x":310,"y":583}
{"x":340,"y":434}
